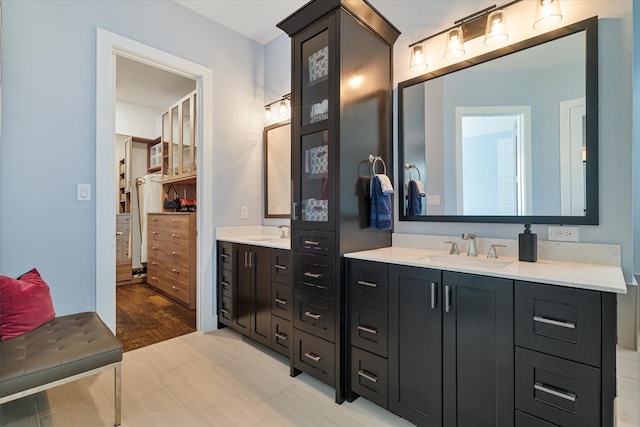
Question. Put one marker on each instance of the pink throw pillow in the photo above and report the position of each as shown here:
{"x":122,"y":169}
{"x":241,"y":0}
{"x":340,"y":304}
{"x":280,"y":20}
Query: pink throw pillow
{"x":25,"y":304}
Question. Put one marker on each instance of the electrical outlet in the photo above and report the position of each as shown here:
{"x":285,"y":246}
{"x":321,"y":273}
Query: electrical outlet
{"x":244,"y":212}
{"x":563,"y":234}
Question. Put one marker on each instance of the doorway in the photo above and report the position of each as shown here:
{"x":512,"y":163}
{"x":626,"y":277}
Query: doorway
{"x":108,"y":46}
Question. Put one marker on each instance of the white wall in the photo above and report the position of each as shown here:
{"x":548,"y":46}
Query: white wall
{"x":48,"y":132}
{"x":136,"y":120}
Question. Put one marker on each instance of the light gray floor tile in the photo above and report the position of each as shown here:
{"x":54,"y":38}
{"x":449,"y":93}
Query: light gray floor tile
{"x":94,"y":412}
{"x":158,"y":409}
{"x":237,"y":411}
{"x":165,"y":356}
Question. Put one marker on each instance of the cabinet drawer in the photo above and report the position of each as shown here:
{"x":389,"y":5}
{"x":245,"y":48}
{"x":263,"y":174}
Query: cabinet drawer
{"x":281,"y":336}
{"x":314,"y":274}
{"x":314,"y":242}
{"x":281,"y":300}
{"x":314,"y":315}
{"x":172,"y":288}
{"x":314,"y":356}
{"x":225,"y":255}
{"x":281,"y":266}
{"x":170,"y":236}
{"x":560,"y":321}
{"x":526,"y":420}
{"x":225,"y":283}
{"x":171,"y":220}
{"x":369,"y":377}
{"x":369,"y":329}
{"x":557,"y":390}
{"x":368,"y":283}
{"x":225,"y":309}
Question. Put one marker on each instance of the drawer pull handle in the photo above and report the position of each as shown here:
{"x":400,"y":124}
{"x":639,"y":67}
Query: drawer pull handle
{"x":175,"y":253}
{"x":225,"y":310}
{"x":312,"y":275}
{"x":118,"y":233}
{"x":225,"y":284}
{"x":281,"y":301}
{"x":434,"y":288}
{"x":307,"y":284}
{"x":155,"y":233}
{"x":155,"y":220}
{"x":175,"y":288}
{"x":224,"y":255}
{"x":311,"y":242}
{"x":175,"y":221}
{"x":369,"y":284}
{"x":568,"y":396}
{"x":280,"y":267}
{"x":154,"y":263}
{"x":369,"y":330}
{"x":321,"y":287}
{"x":367,"y":375}
{"x":175,"y":270}
{"x":312,"y":315}
{"x":175,"y":236}
{"x":281,"y":336}
{"x":313,"y":357}
{"x":541,"y":319}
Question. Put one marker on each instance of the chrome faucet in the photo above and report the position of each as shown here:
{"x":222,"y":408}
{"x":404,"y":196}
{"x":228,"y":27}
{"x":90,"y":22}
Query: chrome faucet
{"x":493,"y":253}
{"x":472,"y":243}
{"x":454,"y":247}
{"x":285,"y":231}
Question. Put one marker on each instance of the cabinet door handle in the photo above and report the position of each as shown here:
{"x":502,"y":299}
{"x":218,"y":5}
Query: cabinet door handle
{"x":224,"y":255}
{"x":369,"y":330}
{"x":246,"y":259}
{"x":175,"y":270}
{"x":311,"y":242}
{"x":225,"y":284}
{"x":369,"y":284}
{"x":568,"y":396}
{"x":281,"y":301}
{"x":312,"y":356}
{"x":570,"y":325}
{"x":447,"y":298}
{"x":434,"y":289}
{"x":280,"y":267}
{"x":118,"y":233}
{"x":225,"y":310}
{"x":281,"y":336}
{"x":312,"y":275}
{"x":312,"y":315}
{"x":367,"y":375}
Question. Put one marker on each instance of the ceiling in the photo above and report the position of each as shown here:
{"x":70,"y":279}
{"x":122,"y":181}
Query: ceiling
{"x":137,"y":83}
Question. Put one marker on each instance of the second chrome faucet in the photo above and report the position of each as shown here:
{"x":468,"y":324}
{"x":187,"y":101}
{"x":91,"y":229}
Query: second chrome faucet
{"x":472,"y":243}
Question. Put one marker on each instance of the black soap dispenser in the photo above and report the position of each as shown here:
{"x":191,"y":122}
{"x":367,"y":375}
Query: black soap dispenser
{"x":528,"y":245}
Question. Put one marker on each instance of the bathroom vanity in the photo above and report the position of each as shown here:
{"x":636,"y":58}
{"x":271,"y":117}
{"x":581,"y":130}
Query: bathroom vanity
{"x":444,"y":340}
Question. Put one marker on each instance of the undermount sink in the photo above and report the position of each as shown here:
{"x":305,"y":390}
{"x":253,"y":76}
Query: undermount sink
{"x":466,"y":261}
{"x":266,"y":239}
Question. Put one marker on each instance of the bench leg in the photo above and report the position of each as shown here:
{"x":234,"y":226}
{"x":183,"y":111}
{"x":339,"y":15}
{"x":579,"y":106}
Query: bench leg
{"x":117,"y":396}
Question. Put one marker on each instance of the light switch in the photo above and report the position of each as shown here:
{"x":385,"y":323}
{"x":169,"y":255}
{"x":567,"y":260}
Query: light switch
{"x":84,"y":192}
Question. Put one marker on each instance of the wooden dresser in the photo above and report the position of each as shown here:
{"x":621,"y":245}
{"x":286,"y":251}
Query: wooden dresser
{"x":123,"y":261}
{"x":171,"y":255}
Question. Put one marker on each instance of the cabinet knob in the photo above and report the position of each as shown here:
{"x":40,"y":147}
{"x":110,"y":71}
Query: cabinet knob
{"x":175,"y":288}
{"x":175,"y":271}
{"x":175,"y":253}
{"x":175,"y":236}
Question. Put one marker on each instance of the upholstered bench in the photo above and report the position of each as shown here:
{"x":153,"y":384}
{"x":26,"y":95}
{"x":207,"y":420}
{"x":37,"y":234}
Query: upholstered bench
{"x":62,"y":350}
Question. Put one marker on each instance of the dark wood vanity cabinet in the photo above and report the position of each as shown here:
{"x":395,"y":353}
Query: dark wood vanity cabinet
{"x":225,"y":283}
{"x":281,"y":301}
{"x":341,"y":113}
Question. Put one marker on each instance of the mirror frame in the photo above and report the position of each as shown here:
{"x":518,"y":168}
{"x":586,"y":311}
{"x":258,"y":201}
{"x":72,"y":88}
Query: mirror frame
{"x":266,"y":168}
{"x":590,"y":27}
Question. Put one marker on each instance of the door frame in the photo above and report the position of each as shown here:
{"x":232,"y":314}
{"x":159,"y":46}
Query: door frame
{"x":108,"y":45}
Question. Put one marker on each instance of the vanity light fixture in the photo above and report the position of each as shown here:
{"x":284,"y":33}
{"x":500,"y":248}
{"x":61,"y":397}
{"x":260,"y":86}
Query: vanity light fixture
{"x":279,"y":110}
{"x":496,"y":30}
{"x":455,"y":44}
{"x":547,"y":13}
{"x":418,"y":59}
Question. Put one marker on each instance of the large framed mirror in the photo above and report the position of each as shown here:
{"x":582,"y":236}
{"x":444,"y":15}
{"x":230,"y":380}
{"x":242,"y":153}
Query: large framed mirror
{"x":510,"y":136}
{"x":277,"y":170}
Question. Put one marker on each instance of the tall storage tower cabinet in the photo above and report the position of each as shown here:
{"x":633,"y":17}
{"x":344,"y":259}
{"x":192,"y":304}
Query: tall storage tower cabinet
{"x":342,"y":56}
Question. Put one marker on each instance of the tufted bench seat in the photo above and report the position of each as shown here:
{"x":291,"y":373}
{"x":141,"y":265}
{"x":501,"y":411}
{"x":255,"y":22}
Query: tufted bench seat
{"x":62,"y":350}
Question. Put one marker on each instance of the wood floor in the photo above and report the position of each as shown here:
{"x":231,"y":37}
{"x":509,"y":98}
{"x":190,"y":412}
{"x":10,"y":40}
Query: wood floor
{"x":223,"y":379}
{"x":145,"y":317}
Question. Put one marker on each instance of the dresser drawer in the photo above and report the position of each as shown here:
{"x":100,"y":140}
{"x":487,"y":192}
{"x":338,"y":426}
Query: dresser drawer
{"x":281,"y":335}
{"x":526,"y":420}
{"x":315,"y":274}
{"x":170,"y":236}
{"x":314,"y":356}
{"x":173,"y":288}
{"x":368,"y":283}
{"x":281,"y":266}
{"x":557,"y":390}
{"x":560,"y":321}
{"x":225,"y":283}
{"x":225,"y":310}
{"x":369,"y":377}
{"x":369,"y":329}
{"x":314,"y":315}
{"x":282,"y":301}
{"x":170,"y":220}
{"x":314,"y":242}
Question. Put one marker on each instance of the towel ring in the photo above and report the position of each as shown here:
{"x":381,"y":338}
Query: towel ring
{"x":375,"y":159}
{"x":409,"y":167}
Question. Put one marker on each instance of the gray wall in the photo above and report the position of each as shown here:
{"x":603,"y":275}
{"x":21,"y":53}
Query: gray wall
{"x":49,"y":127}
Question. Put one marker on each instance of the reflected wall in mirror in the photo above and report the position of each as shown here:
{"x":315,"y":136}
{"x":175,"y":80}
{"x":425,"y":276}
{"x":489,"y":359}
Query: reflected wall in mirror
{"x":277,"y":170}
{"x":510,"y":136}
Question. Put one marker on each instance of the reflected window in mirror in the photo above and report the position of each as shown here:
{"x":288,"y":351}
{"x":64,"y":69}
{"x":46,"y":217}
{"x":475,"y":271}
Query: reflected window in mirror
{"x":277,"y":170}
{"x":510,"y":136}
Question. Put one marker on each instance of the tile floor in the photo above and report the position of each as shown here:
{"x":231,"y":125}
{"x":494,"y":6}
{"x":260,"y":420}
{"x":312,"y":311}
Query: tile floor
{"x":219,"y":379}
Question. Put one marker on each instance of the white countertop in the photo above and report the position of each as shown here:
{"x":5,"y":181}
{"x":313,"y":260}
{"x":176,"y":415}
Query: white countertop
{"x":259,"y":240}
{"x":597,"y":277}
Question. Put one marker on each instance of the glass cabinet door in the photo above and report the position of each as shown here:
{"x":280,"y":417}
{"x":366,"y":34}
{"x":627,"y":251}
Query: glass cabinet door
{"x":186,"y":136}
{"x":166,"y":140}
{"x":314,"y":183}
{"x":175,"y":141}
{"x":194,"y":122}
{"x":315,"y":79}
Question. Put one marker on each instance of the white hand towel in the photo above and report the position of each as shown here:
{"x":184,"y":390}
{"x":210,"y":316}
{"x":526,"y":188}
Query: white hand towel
{"x":385,"y":183}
